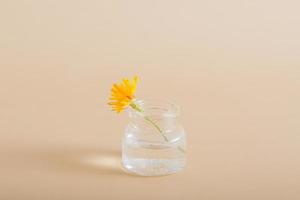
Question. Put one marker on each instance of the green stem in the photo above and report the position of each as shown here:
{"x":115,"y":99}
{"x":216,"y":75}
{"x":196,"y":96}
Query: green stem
{"x":140,"y":110}
{"x":157,"y":127}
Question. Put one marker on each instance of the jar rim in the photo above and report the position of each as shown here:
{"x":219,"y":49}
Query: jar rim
{"x":161,"y":106}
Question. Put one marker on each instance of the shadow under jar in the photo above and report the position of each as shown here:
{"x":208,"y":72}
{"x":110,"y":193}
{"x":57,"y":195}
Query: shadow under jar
{"x":154,"y":142}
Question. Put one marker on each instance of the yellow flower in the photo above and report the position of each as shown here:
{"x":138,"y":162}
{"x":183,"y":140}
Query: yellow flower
{"x":122,"y":94}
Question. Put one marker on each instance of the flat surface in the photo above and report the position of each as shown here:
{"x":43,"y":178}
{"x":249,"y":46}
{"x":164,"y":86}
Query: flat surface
{"x":232,"y":66}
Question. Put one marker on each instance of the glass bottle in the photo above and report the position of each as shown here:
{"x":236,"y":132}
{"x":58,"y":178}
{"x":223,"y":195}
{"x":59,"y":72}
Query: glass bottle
{"x":154,"y":142}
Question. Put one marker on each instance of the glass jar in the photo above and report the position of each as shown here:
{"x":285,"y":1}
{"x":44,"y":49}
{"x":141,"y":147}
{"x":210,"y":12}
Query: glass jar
{"x":154,"y":142}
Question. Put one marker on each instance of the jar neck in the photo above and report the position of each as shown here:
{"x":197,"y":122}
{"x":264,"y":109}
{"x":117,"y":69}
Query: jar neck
{"x":156,"y":115}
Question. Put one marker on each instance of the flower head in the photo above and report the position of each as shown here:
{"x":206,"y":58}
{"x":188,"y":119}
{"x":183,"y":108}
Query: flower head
{"x":122,"y":94}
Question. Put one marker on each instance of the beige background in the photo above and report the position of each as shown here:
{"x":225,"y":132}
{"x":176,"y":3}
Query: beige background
{"x":233,"y":66}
